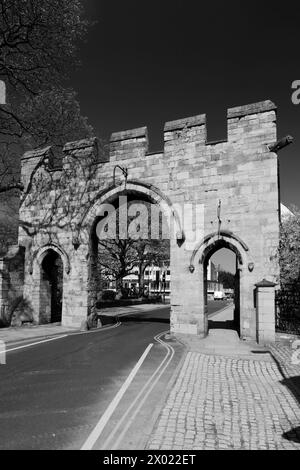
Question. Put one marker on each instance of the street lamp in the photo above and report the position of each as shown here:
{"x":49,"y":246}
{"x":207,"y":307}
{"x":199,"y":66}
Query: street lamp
{"x":124,"y":172}
{"x":164,"y":285}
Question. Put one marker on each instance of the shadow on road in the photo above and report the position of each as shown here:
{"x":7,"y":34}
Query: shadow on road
{"x":107,"y":320}
{"x":144,"y":318}
{"x":224,"y":325}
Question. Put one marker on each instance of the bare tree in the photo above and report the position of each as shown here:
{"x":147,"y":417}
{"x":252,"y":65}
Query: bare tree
{"x":117,"y":259}
{"x":120,"y":257}
{"x":38,"y":49}
{"x":38,"y":42}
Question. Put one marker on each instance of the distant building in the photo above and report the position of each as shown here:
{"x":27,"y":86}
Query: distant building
{"x":156,"y":280}
{"x":212,"y":279}
{"x":212,"y":273}
{"x":285,"y":211}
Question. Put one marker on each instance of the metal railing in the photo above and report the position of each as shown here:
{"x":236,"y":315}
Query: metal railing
{"x":287,"y":308}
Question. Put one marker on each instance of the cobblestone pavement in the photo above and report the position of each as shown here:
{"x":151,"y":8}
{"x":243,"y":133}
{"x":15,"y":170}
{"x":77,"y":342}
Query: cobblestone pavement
{"x":222,"y":402}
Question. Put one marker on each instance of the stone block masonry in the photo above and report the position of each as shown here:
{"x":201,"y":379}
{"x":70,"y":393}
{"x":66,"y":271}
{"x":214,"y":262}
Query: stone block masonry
{"x":62,"y":201}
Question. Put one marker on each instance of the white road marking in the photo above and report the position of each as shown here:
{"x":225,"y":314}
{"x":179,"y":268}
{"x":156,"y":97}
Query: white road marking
{"x":64,"y":336}
{"x":37,"y":342}
{"x":140,"y":399}
{"x":95,"y":434}
{"x":97,"y":330}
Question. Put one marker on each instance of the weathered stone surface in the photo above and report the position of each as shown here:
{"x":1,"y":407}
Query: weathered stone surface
{"x":129,"y":134}
{"x":186,"y":122}
{"x":12,"y":304}
{"x":250,"y":109}
{"x":61,"y":206}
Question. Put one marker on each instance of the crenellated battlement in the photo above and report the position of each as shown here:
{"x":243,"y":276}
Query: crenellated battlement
{"x":249,"y":125}
{"x":243,"y":123}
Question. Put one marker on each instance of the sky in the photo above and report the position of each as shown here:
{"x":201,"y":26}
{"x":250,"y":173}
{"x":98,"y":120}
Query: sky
{"x":147,"y":62}
{"x":226,"y":259}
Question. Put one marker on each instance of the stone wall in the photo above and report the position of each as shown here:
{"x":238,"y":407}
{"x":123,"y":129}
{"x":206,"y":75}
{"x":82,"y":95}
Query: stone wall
{"x":63,"y":200}
{"x":11,"y":285}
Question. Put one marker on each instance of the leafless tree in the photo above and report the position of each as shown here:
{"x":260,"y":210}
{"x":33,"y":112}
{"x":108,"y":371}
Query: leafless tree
{"x":120,"y":257}
{"x":38,"y":49}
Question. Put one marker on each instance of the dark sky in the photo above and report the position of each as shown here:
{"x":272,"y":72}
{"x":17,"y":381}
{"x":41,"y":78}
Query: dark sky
{"x":146,"y":62}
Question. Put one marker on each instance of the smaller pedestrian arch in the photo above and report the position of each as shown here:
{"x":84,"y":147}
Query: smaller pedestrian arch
{"x":203,"y":254}
{"x":47,"y":270}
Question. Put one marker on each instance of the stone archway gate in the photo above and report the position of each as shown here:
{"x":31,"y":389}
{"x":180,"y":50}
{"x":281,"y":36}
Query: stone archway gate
{"x":62,"y":198}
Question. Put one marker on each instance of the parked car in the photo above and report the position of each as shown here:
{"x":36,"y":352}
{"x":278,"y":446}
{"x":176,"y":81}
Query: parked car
{"x":219,"y":295}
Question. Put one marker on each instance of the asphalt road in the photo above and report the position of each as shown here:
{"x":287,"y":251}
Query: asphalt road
{"x":215,"y":305}
{"x":53,"y":394}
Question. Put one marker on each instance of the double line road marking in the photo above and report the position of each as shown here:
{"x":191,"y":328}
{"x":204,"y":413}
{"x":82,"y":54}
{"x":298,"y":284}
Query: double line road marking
{"x":137,"y":403}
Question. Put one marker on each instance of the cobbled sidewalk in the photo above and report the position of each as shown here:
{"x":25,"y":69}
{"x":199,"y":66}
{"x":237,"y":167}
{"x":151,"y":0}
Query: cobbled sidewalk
{"x":222,"y":402}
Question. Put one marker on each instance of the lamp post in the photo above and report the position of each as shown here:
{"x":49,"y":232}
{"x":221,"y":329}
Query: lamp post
{"x":124,"y":172}
{"x":164,"y":285}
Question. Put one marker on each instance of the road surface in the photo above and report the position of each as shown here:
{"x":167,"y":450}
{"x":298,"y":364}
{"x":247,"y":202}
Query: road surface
{"x":215,"y":305}
{"x":53,"y":395}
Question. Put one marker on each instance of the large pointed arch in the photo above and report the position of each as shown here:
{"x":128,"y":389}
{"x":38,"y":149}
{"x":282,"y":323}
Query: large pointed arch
{"x":111,"y":193}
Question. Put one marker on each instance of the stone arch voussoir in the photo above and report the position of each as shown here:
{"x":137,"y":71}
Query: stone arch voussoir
{"x":41,"y":252}
{"x":214,"y":241}
{"x":109,"y":194}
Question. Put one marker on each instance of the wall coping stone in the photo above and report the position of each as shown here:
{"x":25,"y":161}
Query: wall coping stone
{"x":36,"y":153}
{"x":129,"y":134}
{"x":80,"y":144}
{"x":265,"y":283}
{"x":253,"y":108}
{"x":178,"y":124}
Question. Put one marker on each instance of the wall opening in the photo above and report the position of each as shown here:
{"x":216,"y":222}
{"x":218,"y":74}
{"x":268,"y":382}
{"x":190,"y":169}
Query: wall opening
{"x":129,"y":252}
{"x":51,"y":288}
{"x":222,"y":286}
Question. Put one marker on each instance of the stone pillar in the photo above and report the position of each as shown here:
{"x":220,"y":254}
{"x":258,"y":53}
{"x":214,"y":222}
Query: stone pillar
{"x":265,"y":311}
